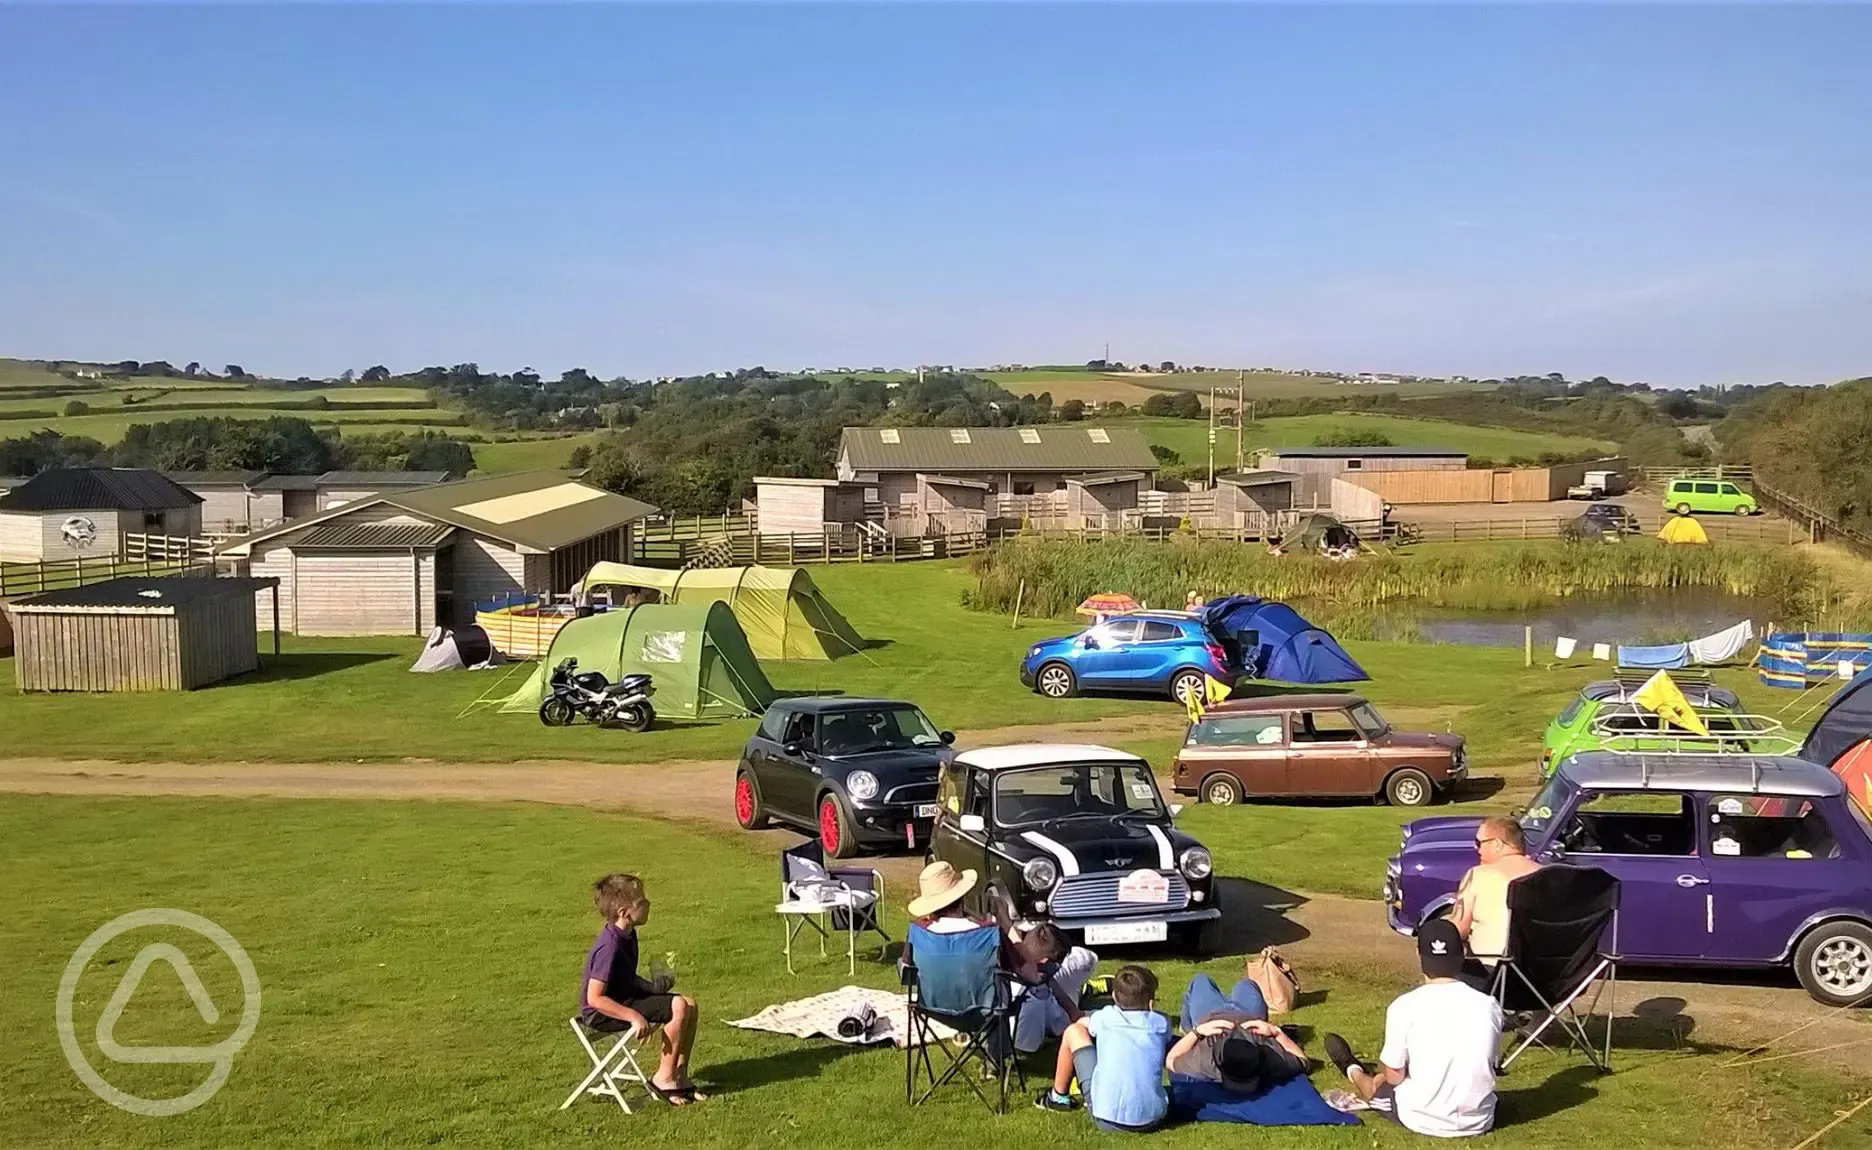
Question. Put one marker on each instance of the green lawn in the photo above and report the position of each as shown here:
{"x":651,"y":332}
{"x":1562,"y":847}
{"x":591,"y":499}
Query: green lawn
{"x":1189,"y":438}
{"x":417,"y":963}
{"x":1134,"y":388}
{"x":188,"y":392}
{"x":109,"y":426}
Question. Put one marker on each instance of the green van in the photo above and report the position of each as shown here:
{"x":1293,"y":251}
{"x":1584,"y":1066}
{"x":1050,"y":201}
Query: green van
{"x":1712,"y":496}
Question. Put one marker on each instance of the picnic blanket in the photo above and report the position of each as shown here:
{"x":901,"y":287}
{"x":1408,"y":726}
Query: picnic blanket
{"x":1296,"y":1102}
{"x":819,"y":1017}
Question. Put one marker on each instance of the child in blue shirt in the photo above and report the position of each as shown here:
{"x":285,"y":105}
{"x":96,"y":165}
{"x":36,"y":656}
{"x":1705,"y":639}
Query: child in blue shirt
{"x":1117,"y":1053}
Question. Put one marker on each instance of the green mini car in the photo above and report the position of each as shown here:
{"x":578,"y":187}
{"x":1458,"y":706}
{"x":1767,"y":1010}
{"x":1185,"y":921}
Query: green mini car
{"x":1604,"y":710}
{"x":1711,"y":496}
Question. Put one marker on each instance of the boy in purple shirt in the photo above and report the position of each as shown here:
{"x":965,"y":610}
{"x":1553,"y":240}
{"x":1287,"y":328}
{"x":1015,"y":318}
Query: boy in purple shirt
{"x":613,"y":997}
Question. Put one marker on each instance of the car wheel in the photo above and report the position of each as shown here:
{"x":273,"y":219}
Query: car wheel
{"x":1186,"y":684}
{"x":1683,"y":509}
{"x":1221,"y":791}
{"x":556,"y":713}
{"x":1834,"y":963}
{"x":1056,"y":681}
{"x":749,"y":811}
{"x":1409,"y":787}
{"x":835,"y":833}
{"x":1197,"y":939}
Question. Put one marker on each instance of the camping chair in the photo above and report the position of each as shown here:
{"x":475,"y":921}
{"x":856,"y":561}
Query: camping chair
{"x":1558,"y":923}
{"x":829,"y":899}
{"x":614,"y":1070}
{"x":957,"y":980}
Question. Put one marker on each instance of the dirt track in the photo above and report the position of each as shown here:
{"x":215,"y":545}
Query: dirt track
{"x":1313,"y":929}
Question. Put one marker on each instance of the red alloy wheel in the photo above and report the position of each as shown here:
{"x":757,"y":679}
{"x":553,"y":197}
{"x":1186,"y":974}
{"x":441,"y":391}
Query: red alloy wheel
{"x":744,"y":800}
{"x":829,"y":825}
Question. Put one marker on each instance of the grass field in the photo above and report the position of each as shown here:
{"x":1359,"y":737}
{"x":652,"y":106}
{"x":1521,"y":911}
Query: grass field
{"x":959,"y":665}
{"x":417,"y":962}
{"x":1135,"y":388}
{"x":544,"y":454}
{"x":1189,"y":438}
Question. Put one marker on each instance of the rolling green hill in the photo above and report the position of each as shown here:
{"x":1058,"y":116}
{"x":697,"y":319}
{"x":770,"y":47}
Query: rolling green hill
{"x":1189,"y":437}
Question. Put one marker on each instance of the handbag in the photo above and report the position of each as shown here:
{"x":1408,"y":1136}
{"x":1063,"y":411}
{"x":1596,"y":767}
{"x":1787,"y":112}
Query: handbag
{"x":1276,"y":978}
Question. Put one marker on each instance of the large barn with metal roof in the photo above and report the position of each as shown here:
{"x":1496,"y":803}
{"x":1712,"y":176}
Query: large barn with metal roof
{"x":401,"y":562}
{"x":85,"y":512}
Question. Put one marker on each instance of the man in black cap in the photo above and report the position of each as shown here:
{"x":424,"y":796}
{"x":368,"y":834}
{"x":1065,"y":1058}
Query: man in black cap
{"x":1437,"y":1070}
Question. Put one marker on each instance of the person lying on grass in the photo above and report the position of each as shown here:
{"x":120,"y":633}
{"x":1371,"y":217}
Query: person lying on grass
{"x":1438,"y":1065}
{"x":1117,"y":1054}
{"x":613,"y":998}
{"x":1230,"y":1041}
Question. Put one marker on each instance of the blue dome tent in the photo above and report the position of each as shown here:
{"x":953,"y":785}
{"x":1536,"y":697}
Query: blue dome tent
{"x":1846,"y":721}
{"x":1275,"y":642}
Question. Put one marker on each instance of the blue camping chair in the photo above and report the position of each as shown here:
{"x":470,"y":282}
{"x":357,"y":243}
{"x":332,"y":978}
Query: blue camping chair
{"x":957,"y":980}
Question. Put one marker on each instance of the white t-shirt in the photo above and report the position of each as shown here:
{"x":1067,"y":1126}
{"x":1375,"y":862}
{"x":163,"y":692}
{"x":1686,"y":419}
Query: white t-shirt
{"x":1445,"y":1036}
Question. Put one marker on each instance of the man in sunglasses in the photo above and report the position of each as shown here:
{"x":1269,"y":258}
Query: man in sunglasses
{"x":1481,"y":911}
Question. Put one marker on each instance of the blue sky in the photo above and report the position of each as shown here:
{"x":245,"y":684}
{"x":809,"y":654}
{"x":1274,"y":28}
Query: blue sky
{"x":1681,"y":194}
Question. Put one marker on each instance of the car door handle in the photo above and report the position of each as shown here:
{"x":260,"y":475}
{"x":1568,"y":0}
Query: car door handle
{"x":1689,"y":880}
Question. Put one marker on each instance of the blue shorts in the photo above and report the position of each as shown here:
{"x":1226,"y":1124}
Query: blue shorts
{"x":1085,"y":1061}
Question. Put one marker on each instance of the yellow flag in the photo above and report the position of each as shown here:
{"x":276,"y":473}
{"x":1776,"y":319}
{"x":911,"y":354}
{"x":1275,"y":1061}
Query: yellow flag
{"x":1661,"y":695}
{"x":1214,"y":690}
{"x":1194,"y":700}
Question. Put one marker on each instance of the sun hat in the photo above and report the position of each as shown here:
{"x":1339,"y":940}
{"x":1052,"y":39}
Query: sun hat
{"x":940,"y":886}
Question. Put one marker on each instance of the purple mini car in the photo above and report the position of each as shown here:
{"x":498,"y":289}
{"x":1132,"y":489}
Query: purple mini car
{"x":1723,"y":860}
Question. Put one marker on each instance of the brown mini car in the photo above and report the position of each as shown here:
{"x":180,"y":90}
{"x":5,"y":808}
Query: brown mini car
{"x":1312,"y":745}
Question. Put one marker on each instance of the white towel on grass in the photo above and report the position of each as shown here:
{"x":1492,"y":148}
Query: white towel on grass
{"x":819,"y":1016}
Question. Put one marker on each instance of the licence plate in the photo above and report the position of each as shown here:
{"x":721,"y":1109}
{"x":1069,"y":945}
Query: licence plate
{"x":926,"y":810}
{"x":1123,"y":932}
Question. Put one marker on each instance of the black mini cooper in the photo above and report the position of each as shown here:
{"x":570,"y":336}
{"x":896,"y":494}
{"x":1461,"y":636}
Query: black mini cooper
{"x":1076,"y":835}
{"x":858,"y":772}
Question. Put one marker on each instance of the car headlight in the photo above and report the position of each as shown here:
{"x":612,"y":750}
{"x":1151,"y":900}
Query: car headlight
{"x":1196,"y":864}
{"x":863,"y":785}
{"x":1040,"y":873}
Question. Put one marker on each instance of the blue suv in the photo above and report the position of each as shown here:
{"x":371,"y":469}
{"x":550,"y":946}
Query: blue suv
{"x":1148,"y":651}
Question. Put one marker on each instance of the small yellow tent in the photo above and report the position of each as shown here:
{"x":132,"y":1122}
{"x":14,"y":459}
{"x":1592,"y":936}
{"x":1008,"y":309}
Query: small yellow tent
{"x":780,"y":608}
{"x":1683,"y":529}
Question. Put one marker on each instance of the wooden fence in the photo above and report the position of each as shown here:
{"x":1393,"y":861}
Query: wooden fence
{"x":143,"y":555}
{"x":1738,"y":530}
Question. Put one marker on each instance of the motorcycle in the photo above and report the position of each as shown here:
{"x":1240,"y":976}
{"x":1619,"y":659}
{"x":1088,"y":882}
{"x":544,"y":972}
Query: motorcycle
{"x":625,"y":703}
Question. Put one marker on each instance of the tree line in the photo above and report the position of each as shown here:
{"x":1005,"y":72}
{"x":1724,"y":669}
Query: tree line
{"x":282,"y":443}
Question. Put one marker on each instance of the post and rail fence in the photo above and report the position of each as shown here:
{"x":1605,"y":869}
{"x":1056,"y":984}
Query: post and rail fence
{"x":142,"y":555}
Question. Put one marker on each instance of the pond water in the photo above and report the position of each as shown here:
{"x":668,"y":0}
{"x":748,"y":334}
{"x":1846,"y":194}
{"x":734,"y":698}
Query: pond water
{"x":1634,"y":619}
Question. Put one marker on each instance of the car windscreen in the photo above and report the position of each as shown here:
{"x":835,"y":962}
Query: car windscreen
{"x":861,"y":730}
{"x":1540,"y":813}
{"x":1370,"y":721}
{"x":1572,"y":711}
{"x":1075,"y":791}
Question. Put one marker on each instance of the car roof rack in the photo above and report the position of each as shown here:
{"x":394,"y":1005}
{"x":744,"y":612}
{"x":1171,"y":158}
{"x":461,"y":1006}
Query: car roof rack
{"x":1673,"y":746}
{"x":1635,"y":677}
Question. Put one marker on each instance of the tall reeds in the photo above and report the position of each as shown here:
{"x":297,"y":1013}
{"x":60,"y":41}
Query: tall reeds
{"x":1059,"y":574}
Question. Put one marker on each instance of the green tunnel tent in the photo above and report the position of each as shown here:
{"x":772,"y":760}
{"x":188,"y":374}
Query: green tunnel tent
{"x":781,"y":609}
{"x":696,"y":654}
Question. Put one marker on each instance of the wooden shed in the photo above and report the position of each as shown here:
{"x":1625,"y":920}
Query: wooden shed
{"x":139,"y":634}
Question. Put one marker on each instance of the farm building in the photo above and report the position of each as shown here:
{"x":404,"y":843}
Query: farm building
{"x":1500,"y":485}
{"x":337,"y":488}
{"x":1336,"y":460}
{"x":230,"y":505}
{"x":401,"y":562}
{"x":1009,"y":460}
{"x":787,"y":506}
{"x":243,"y":501}
{"x":85,"y":513}
{"x":140,"y":634}
{"x":1245,"y":498}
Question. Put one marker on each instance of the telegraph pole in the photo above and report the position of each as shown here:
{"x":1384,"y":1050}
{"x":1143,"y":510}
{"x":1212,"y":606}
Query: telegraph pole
{"x":1212,"y":435}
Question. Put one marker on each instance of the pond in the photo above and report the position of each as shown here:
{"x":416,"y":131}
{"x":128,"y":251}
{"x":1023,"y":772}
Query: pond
{"x":1635,"y":619}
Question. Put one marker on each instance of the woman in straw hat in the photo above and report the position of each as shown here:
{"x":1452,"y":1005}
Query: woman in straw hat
{"x":937,"y":906}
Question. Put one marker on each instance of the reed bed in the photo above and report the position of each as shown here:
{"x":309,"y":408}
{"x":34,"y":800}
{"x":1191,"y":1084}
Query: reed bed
{"x":1051,"y":577}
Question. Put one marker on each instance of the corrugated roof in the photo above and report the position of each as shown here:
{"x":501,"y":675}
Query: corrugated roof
{"x":288,"y":483}
{"x":1060,"y":447}
{"x":98,"y":489}
{"x":1363,"y":452}
{"x":216,"y":478}
{"x":559,"y":524}
{"x":384,"y":478}
{"x":1256,"y":478}
{"x":341,"y":536}
{"x":144,"y":593}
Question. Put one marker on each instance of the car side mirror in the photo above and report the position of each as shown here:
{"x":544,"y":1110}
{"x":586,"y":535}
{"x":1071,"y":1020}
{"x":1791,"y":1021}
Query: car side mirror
{"x":947,"y":737}
{"x":974,"y":824}
{"x":1554,"y":853}
{"x":794,"y":749}
{"x":1176,"y":809}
